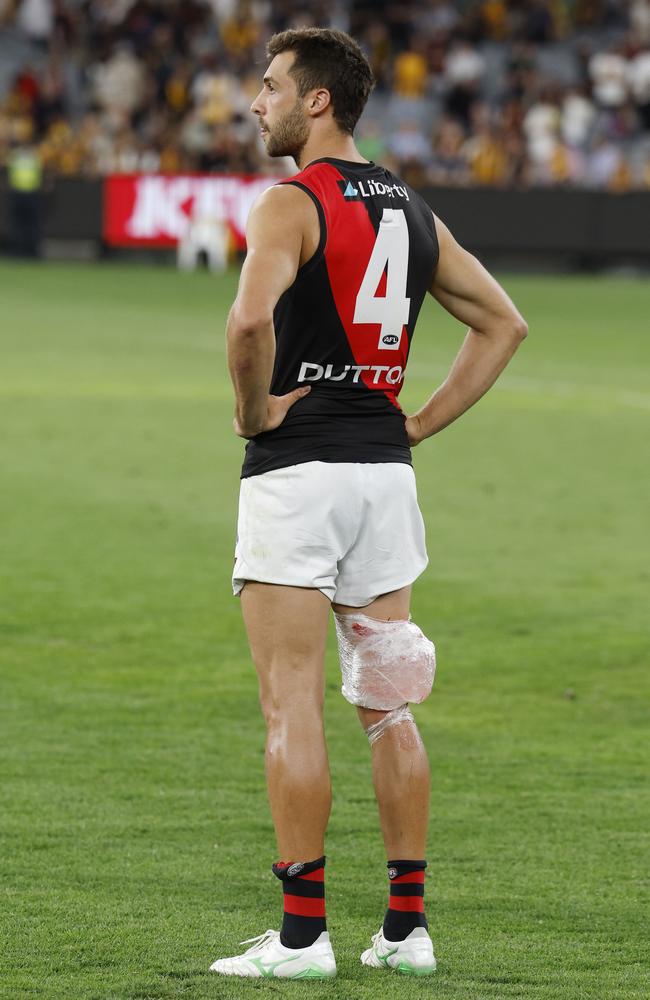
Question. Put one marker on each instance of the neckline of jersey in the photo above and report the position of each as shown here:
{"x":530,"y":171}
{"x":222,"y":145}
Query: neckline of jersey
{"x":350,"y":164}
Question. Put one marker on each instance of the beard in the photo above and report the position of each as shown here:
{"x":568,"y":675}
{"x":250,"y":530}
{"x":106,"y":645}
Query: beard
{"x":290,"y":134}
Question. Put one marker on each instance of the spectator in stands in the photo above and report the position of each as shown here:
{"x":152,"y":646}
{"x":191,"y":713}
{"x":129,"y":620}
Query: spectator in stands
{"x":449,"y":164}
{"x":520,"y":78}
{"x":486,"y":156}
{"x":541,"y":126}
{"x":240,"y":33}
{"x":370,"y":141}
{"x":35,"y":18}
{"x":639,"y":79}
{"x":605,"y":164}
{"x":484,"y":150}
{"x":577,"y":117}
{"x":518,"y":172}
{"x":538,"y":23}
{"x":608,"y":71}
{"x":640,"y":20}
{"x":50,"y":104}
{"x":176,"y":93}
{"x":410,"y":73}
{"x":118,"y":84}
{"x":378,"y":50}
{"x":27,"y":87}
{"x":213,"y":91}
{"x":411,"y":152}
{"x":493,"y":16}
{"x":439,"y":18}
{"x":464,"y":70}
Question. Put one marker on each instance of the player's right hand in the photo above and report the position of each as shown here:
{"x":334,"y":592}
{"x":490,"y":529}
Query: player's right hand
{"x":279,"y":406}
{"x":276,"y":411}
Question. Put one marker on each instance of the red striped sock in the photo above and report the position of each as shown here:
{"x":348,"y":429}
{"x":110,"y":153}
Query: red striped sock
{"x":406,"y":901}
{"x":303,"y":884}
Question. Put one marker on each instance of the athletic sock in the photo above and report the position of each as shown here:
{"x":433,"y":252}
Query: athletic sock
{"x":406,"y":901}
{"x":303,"y":884}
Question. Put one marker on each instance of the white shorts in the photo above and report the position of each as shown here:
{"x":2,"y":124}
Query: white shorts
{"x":353,"y":531}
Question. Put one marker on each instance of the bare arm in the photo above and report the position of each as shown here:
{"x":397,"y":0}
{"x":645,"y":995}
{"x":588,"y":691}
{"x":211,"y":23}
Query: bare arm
{"x":275,"y":236}
{"x":466,"y":290}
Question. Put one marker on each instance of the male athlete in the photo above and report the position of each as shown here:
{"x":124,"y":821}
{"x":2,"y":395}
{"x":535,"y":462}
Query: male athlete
{"x":339,"y":260}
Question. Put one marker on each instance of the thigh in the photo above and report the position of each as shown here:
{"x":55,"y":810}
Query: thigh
{"x":389,"y":552}
{"x":294,"y":526}
{"x":389,"y":607}
{"x":287,"y":632}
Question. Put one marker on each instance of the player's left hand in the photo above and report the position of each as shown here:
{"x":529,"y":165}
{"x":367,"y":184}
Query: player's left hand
{"x":276,"y":410}
{"x":413,"y":430}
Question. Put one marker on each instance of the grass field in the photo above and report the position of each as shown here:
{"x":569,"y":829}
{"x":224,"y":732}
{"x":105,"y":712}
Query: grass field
{"x":137,"y":842}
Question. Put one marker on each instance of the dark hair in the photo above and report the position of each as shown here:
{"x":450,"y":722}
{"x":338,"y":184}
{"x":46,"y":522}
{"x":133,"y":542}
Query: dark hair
{"x":331,"y":59}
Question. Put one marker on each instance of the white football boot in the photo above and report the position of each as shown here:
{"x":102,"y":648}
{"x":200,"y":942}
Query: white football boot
{"x":268,"y":957}
{"x":413,"y":956}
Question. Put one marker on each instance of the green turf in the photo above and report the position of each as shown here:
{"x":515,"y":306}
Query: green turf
{"x":136,"y":836}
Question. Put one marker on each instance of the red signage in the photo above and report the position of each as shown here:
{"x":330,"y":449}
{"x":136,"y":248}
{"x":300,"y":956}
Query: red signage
{"x":154,"y":209}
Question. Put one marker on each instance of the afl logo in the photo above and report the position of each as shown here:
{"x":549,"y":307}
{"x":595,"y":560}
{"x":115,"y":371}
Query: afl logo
{"x":390,"y":339}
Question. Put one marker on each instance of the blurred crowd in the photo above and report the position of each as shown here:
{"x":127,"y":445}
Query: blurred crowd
{"x":484,"y":92}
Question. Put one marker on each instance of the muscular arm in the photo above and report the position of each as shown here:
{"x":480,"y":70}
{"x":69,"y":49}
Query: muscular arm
{"x":466,"y":290}
{"x":275,"y":235}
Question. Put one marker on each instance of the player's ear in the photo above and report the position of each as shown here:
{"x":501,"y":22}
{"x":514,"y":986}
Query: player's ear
{"x":318,"y":101}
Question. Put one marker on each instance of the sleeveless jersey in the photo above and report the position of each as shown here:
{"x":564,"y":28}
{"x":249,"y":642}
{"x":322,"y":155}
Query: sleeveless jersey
{"x":345,"y":325}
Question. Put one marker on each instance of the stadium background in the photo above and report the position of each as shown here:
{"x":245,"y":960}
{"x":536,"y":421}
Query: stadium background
{"x":136,"y":840}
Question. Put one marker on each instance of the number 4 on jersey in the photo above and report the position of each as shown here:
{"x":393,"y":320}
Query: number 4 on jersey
{"x":391,"y":254}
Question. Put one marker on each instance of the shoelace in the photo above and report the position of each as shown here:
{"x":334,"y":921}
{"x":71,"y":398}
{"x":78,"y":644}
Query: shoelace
{"x":261,"y":941}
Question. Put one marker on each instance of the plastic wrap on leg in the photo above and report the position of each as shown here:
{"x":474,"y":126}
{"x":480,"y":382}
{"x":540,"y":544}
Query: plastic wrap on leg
{"x":384,"y":664}
{"x":377,"y":730}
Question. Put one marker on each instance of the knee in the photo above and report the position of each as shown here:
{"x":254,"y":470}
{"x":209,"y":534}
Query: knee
{"x":397,"y":725}
{"x":384,"y":664}
{"x":369,"y":716}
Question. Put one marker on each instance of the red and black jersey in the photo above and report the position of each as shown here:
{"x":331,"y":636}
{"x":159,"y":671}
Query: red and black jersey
{"x":345,"y":325}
